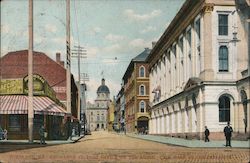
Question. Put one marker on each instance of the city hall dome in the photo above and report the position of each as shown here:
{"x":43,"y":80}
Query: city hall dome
{"x":103,"y":88}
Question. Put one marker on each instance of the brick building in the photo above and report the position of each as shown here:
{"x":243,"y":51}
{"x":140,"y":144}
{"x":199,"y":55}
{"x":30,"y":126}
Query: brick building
{"x":49,"y":94}
{"x":15,"y":65}
{"x":136,"y":92}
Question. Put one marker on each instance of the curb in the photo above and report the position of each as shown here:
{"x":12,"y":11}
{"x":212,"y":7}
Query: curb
{"x":186,"y":146}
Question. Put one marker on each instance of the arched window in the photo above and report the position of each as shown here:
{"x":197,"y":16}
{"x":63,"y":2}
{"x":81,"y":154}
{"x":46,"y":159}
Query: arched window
{"x":224,"y":109}
{"x":142,"y":106}
{"x":142,"y":90}
{"x":223,"y":59}
{"x":142,"y":71}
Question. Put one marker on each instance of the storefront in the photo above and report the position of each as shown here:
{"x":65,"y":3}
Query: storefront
{"x":48,"y":111}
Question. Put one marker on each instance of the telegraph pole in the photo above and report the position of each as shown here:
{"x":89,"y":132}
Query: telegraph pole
{"x":68,"y":73}
{"x":30,"y":74}
{"x":84,"y":78}
{"x":79,"y":53}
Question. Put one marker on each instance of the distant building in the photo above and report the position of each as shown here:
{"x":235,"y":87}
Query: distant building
{"x":199,"y":72}
{"x":110,"y":116}
{"x":136,"y":93}
{"x":97,"y":113}
{"x":119,"y":113}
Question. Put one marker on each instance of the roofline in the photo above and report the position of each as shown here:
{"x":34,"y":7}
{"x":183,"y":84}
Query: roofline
{"x":189,"y":8}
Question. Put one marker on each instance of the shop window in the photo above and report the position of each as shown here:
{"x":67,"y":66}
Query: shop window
{"x":14,"y":122}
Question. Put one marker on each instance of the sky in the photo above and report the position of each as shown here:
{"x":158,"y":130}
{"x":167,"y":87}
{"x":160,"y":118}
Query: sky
{"x":112,"y":32}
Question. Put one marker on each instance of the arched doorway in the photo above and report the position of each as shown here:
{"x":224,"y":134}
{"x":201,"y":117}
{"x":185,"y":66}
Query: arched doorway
{"x":244,"y":103}
{"x":142,"y":125}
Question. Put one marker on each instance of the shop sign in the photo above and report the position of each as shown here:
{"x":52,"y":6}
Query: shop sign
{"x":38,"y":85}
{"x":11,"y":86}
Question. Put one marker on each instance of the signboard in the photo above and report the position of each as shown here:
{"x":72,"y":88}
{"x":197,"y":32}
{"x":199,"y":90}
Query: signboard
{"x":11,"y":86}
{"x":38,"y":85}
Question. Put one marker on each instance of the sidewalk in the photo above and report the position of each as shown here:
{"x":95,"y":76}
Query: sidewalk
{"x":48,"y":142}
{"x":191,"y":143}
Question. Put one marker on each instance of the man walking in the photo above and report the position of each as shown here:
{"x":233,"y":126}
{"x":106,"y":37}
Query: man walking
{"x":228,"y":134}
{"x":42,"y":135}
{"x":206,"y":134}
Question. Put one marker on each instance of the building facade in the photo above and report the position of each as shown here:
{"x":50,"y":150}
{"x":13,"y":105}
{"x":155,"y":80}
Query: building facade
{"x":110,"y":116}
{"x":49,"y":108}
{"x":97,"y":113}
{"x":15,"y":65}
{"x":136,"y":93}
{"x":196,"y":68}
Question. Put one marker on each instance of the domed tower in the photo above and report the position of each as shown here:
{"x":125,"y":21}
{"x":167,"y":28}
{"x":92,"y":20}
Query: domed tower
{"x":103,"y":94}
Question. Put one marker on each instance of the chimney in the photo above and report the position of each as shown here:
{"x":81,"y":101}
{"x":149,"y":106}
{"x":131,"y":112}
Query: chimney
{"x":58,"y":58}
{"x":62,"y":63}
{"x":153,"y":44}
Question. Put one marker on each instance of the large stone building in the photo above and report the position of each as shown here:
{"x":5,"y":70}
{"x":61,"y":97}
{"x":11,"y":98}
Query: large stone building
{"x":136,"y":93}
{"x":97,"y":113}
{"x":199,"y":72}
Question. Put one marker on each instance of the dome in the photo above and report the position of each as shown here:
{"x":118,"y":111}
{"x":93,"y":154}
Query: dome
{"x":103,"y":88}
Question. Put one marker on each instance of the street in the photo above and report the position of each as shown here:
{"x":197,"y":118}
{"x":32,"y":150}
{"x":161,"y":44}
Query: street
{"x":103,"y":146}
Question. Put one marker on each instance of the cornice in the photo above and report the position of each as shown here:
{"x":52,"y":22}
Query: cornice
{"x":185,"y":16}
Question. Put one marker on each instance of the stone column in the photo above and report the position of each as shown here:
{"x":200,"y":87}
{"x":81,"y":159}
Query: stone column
{"x":208,"y":73}
{"x":167,"y":124}
{"x":163,"y":124}
{"x":248,"y":117}
{"x":201,"y":123}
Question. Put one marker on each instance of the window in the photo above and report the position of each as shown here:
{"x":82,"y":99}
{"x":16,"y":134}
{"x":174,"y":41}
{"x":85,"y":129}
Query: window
{"x":198,"y":30}
{"x":189,"y":37}
{"x":223,"y":24}
{"x":142,"y":71}
{"x":223,"y":59}
{"x":174,"y":53}
{"x":14,"y":122}
{"x":224,"y":109}
{"x":181,"y":44}
{"x":142,"y":90}
{"x":142,"y":106}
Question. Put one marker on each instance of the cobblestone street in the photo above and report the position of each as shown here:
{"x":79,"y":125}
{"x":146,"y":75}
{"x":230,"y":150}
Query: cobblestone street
{"x":110,"y":147}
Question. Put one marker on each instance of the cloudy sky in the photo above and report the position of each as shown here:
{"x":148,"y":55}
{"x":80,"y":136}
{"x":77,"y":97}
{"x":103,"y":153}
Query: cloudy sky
{"x":112,"y":32}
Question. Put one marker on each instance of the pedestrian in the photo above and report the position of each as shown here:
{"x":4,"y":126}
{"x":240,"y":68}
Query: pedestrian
{"x":206,"y":134}
{"x":42,"y":135}
{"x":5,"y":134}
{"x":228,"y":134}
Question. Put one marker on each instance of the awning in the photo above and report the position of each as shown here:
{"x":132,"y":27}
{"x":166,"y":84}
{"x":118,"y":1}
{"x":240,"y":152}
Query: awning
{"x":18,"y":104}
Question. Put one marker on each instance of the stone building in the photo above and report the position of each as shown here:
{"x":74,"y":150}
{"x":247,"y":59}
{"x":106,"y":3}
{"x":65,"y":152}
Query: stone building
{"x":97,"y":113}
{"x":136,"y":93}
{"x":199,"y":73}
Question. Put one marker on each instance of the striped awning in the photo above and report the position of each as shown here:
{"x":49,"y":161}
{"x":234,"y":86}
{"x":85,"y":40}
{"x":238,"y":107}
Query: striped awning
{"x":18,"y":104}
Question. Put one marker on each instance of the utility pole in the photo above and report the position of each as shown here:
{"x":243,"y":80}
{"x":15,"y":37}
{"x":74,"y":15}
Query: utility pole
{"x":68,"y":73}
{"x":84,"y":78}
{"x":30,"y":74}
{"x":79,"y":53}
